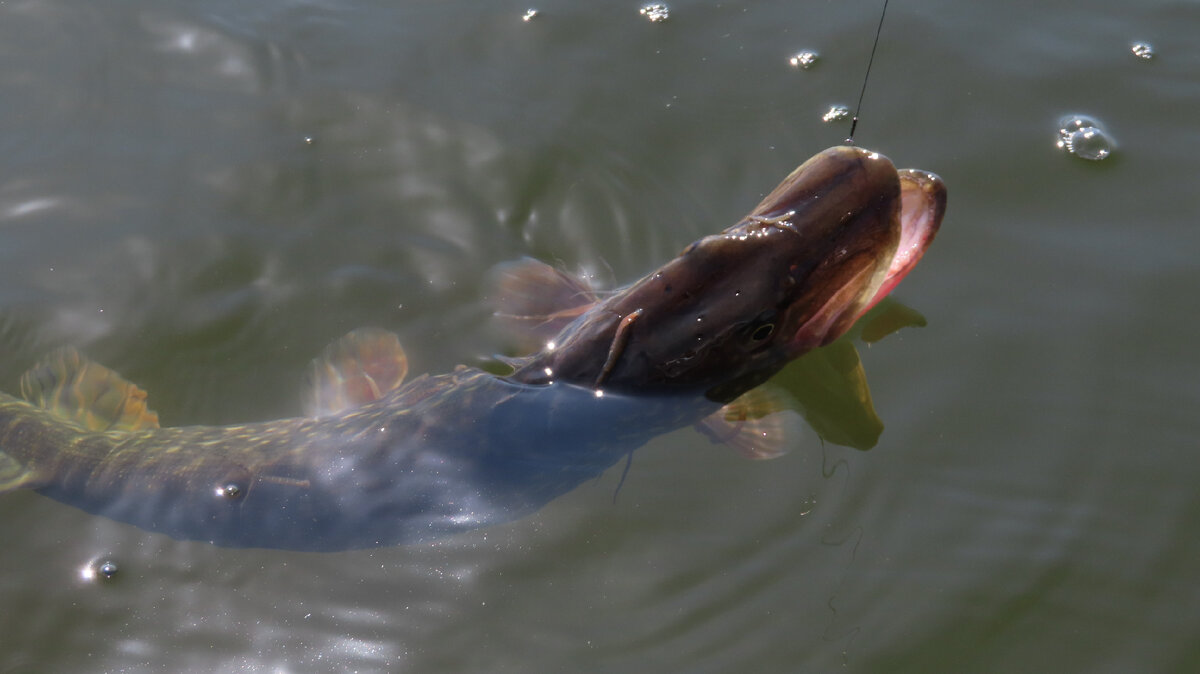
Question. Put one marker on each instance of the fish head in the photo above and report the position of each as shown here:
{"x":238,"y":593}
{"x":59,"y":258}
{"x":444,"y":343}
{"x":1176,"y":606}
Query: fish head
{"x":733,"y":308}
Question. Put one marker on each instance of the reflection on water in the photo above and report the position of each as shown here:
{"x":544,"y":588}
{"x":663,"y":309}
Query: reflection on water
{"x":202,"y":195}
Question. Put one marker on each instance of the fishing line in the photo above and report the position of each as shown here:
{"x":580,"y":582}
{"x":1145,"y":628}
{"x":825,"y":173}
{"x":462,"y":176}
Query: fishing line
{"x":867,"y":76}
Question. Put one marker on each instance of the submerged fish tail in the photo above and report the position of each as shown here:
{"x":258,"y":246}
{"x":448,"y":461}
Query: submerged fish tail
{"x":35,"y":443}
{"x":74,"y":413}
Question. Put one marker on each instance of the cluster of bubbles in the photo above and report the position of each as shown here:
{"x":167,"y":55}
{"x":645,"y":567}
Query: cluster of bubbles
{"x":1084,"y":137}
{"x":655,"y":12}
{"x":803,"y":59}
{"x":836,"y":113}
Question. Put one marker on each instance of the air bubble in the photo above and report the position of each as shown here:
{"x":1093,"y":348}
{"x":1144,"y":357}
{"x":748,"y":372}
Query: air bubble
{"x":803,"y":59}
{"x":656,"y":12}
{"x":1084,"y":137}
{"x":1142,"y":50}
{"x":230,"y":491}
{"x":836,"y":113}
{"x":99,"y":569}
{"x":530,"y":14}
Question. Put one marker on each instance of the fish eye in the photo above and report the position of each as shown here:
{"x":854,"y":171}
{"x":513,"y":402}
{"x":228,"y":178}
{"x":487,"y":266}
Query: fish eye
{"x":762,"y":332}
{"x":763,"y":326}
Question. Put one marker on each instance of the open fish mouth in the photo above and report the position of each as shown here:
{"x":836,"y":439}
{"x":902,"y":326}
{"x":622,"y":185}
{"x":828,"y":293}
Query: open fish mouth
{"x":853,"y":287}
{"x":922,"y":205}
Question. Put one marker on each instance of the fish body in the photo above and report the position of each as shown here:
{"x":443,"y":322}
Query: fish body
{"x":443,"y":454}
{"x":405,"y":463}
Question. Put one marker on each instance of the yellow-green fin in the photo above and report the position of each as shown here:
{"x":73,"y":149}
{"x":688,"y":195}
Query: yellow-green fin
{"x":759,"y":424}
{"x":888,"y":317}
{"x":88,"y":394}
{"x":831,"y":388}
{"x":360,"y":367}
{"x":14,"y":475}
{"x":533,"y":301}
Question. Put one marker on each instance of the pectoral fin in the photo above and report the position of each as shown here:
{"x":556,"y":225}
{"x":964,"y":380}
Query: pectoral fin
{"x":758,"y":424}
{"x":831,"y":388}
{"x":362,"y":366}
{"x":534,"y":301}
{"x":87,"y":394}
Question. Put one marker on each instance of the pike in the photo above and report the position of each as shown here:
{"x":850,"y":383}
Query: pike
{"x":378,"y":462}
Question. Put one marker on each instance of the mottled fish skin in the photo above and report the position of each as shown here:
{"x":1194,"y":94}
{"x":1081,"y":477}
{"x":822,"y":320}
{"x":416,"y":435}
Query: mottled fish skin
{"x":441,"y":455}
{"x":733,"y":308}
{"x":453,"y":452}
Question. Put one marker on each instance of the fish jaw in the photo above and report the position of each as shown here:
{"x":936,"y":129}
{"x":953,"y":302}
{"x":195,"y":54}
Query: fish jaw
{"x":853,"y":245}
{"x":922,"y":205}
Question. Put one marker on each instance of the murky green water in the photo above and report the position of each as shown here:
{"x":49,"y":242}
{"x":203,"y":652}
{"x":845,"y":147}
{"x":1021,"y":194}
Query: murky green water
{"x":202,"y":194}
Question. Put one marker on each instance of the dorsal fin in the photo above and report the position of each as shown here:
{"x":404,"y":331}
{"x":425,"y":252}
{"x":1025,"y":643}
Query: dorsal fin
{"x":361,"y":366}
{"x":88,"y":394}
{"x":759,"y":424}
{"x":534,"y":301}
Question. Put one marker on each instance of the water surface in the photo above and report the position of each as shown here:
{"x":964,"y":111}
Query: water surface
{"x":203,"y":194}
